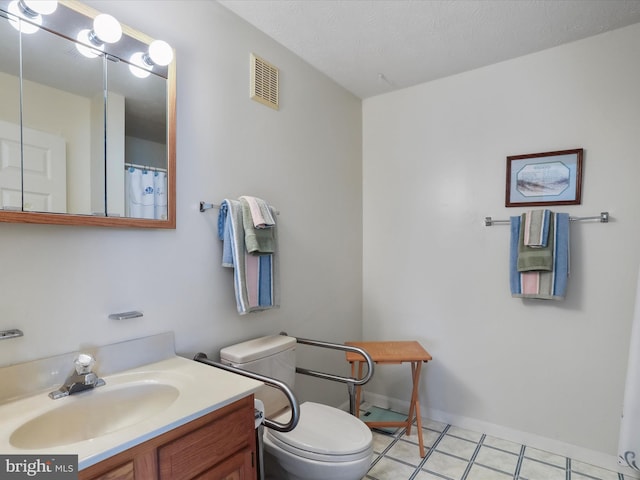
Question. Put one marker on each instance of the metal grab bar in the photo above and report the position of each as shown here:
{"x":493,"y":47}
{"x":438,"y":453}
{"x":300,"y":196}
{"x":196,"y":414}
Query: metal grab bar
{"x":351,"y":382}
{"x":295,"y":407}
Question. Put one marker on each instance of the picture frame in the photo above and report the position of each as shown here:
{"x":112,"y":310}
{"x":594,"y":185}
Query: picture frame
{"x":549,"y":178}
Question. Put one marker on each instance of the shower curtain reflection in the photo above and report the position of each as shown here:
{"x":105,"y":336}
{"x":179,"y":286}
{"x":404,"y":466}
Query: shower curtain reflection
{"x":146,"y":193}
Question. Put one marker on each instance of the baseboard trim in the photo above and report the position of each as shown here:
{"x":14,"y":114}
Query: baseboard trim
{"x":592,"y":457}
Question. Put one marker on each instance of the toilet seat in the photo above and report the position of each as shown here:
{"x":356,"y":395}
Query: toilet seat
{"x":325,"y":434}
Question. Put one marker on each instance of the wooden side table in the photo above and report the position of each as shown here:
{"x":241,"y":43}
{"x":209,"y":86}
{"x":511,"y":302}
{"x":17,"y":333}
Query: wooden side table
{"x":387,"y":353}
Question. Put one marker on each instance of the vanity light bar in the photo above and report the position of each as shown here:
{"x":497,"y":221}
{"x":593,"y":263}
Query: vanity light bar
{"x":142,"y":54}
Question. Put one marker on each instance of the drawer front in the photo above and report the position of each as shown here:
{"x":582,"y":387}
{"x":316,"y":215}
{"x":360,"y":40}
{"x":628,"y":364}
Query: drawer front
{"x":201,"y":449}
{"x":238,"y":467}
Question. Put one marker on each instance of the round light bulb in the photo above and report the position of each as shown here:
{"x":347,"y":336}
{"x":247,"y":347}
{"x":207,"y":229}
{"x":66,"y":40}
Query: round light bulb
{"x":43,"y":7}
{"x":138,"y":66}
{"x":83,"y":45}
{"x":160,"y":52}
{"x":107,"y":28}
{"x":19,"y":21}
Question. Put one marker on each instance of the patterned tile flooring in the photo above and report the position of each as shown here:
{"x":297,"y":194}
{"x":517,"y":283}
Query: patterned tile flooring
{"x":456,"y":454}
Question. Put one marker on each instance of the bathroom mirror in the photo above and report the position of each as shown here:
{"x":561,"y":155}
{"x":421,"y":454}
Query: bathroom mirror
{"x":85,"y":138}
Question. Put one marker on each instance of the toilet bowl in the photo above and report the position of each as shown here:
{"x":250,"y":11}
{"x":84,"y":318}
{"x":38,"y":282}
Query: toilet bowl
{"x":327,"y":444}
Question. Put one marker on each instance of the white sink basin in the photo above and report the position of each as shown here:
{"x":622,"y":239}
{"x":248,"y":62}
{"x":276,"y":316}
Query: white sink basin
{"x":94,"y":413}
{"x":135,"y":405}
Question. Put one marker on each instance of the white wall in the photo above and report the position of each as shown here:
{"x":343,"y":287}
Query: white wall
{"x":434,"y":167}
{"x":59,"y":284}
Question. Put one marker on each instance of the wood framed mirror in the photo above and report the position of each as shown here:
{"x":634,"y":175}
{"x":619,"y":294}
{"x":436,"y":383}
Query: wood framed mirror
{"x":87,"y":129}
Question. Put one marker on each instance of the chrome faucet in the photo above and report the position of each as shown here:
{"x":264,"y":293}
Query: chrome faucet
{"x":83,"y":379}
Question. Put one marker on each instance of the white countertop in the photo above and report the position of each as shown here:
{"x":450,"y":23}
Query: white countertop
{"x":202,"y":388}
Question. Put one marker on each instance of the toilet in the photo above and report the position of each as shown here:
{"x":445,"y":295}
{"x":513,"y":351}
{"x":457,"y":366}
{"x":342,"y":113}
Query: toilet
{"x":327,"y":443}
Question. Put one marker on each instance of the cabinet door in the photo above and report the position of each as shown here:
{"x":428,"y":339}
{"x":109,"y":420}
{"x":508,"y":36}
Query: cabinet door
{"x":209,"y":446}
{"x":123,"y":472}
{"x":218,"y":446}
{"x":237,"y":467}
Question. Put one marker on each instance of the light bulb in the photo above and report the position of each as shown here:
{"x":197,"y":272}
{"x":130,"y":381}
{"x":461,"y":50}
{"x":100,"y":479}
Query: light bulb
{"x":160,"y":52}
{"x":107,"y":28}
{"x":84,"y":40}
{"x":20,"y":21}
{"x":43,"y":7}
{"x":138,"y":66}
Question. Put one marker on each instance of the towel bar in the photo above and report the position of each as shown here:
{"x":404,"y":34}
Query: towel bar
{"x":204,"y":206}
{"x":603,"y":218}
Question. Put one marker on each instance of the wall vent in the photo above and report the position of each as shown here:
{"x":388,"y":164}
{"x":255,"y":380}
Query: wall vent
{"x":264,"y":82}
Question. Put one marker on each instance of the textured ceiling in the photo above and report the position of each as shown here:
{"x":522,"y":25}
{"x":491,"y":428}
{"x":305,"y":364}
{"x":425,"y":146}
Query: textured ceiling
{"x":372,"y":47}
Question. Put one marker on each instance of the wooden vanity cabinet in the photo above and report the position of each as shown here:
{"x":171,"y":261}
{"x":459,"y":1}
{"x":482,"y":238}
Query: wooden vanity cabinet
{"x":218,"y":446}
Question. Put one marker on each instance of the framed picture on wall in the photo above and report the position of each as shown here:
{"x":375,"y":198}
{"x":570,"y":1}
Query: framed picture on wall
{"x":549,"y":178}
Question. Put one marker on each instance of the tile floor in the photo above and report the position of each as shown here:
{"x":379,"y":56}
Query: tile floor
{"x":456,"y":454}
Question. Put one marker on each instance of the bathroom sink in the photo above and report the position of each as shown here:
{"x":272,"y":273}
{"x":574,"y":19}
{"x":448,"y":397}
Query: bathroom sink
{"x":94,"y":413}
{"x":135,"y":405}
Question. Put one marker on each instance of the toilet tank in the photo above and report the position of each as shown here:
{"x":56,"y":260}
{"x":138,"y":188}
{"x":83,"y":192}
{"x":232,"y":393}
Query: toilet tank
{"x":273,"y":356}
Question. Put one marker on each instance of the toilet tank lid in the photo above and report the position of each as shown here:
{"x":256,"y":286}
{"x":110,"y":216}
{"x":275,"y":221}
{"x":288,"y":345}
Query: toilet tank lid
{"x":257,"y":348}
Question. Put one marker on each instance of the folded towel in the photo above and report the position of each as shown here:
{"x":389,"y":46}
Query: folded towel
{"x":541,"y":284}
{"x":260,"y":212}
{"x":536,"y":230}
{"x":257,"y":240}
{"x":260,"y":281}
{"x":535,"y":258}
{"x":269,"y":274}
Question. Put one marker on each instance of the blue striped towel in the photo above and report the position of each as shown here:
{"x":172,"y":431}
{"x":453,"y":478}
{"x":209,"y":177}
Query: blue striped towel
{"x":541,"y":284}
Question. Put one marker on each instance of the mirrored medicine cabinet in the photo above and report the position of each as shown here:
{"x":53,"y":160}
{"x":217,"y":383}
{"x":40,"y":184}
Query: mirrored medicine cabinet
{"x":87,"y":124}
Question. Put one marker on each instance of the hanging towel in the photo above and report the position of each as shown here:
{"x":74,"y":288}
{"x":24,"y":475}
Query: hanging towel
{"x":514,"y":276}
{"x":260,"y":281}
{"x":256,"y":277}
{"x":230,"y":216}
{"x":257,"y":240}
{"x":541,"y":284}
{"x":225,"y":234}
{"x":535,"y":258}
{"x":260,"y":212}
{"x":536,"y":230}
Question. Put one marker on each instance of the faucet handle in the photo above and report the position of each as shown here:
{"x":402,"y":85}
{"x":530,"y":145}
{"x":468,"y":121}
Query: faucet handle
{"x":84,"y":363}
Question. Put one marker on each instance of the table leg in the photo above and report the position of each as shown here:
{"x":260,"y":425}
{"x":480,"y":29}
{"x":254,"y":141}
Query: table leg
{"x":357,"y":401}
{"x":412,"y":401}
{"x":415,"y":404}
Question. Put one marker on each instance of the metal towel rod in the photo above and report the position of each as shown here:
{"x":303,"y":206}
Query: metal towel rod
{"x":603,"y":218}
{"x":208,"y":206}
